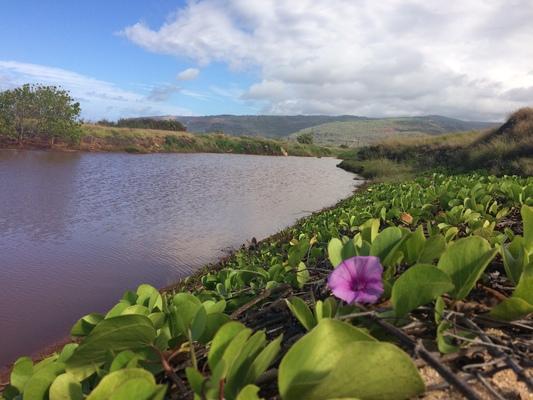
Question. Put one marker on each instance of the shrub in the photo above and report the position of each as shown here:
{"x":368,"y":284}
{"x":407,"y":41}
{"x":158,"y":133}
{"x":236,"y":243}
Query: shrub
{"x":305,"y":138}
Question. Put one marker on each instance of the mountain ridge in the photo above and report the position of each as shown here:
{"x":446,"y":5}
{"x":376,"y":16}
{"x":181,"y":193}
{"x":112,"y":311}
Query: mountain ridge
{"x":326,"y":129}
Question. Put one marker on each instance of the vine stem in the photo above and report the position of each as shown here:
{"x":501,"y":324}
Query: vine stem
{"x":191,"y":347}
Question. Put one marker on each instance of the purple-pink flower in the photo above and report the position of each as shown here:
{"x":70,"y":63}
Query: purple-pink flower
{"x":357,"y":280}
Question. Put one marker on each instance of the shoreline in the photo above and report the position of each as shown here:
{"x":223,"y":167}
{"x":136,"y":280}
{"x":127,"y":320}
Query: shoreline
{"x":190,"y":282}
{"x":96,"y":138}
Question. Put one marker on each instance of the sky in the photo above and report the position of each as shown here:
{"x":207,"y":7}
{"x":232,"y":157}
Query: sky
{"x":469,"y":59}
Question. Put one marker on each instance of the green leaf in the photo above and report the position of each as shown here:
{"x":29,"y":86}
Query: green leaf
{"x":198,"y":323}
{"x":432,"y":250}
{"x":439,"y":309}
{"x":136,"y":309}
{"x":417,"y":286}
{"x":325,"y":309}
{"x":443,"y":343}
{"x":337,"y":360}
{"x":221,"y":341}
{"x":113,"y":381}
{"x":386,"y":243}
{"x":187,"y":307}
{"x":249,"y":392}
{"x":138,"y":389}
{"x":213,"y":324}
{"x":302,"y":312}
{"x":414,"y":245}
{"x":263,"y":360}
{"x":195,"y":379}
{"x":515,"y":258}
{"x":335,"y":252}
{"x":86,"y":324}
{"x":302,"y":275}
{"x":21,"y":372}
{"x":122,"y":360}
{"x":125,"y":332}
{"x":65,"y":387}
{"x":38,"y":385}
{"x":298,"y":252}
{"x":524,"y":289}
{"x":369,"y":230}
{"x":348,"y":250}
{"x":527,"y":223}
{"x":236,"y":376}
{"x":511,"y":309}
{"x":464,"y":261}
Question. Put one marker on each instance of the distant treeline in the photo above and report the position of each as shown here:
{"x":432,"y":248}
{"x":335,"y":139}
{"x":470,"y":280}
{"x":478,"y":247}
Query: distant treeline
{"x":38,"y":112}
{"x":146,"y":123}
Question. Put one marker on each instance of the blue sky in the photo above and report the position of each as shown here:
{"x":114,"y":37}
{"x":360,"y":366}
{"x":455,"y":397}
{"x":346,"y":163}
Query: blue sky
{"x":84,"y":37}
{"x":123,"y":58}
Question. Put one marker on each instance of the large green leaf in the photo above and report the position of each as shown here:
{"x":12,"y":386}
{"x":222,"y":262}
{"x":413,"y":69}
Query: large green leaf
{"x":65,"y":387}
{"x":302,"y":312}
{"x":37,"y":386}
{"x":417,"y":286}
{"x":337,"y":360}
{"x":221,"y":341}
{"x":21,"y":372}
{"x":521,"y":303}
{"x":249,"y":392}
{"x":464,"y":261}
{"x":511,"y":309}
{"x":263,"y":360}
{"x":414,"y":245}
{"x":515,"y":258}
{"x":86,"y":324}
{"x":113,"y":381}
{"x":125,"y":332}
{"x":386,"y":243}
{"x":432,"y":250}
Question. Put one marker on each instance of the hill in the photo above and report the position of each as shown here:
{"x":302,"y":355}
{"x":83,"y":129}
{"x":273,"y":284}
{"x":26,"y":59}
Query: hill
{"x":507,"y":149}
{"x":362,"y":132}
{"x":343,"y":129}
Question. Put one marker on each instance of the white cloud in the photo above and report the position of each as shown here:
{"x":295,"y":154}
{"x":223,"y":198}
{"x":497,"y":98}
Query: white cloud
{"x":99,"y":99}
{"x":188,"y":74}
{"x":469,"y":59}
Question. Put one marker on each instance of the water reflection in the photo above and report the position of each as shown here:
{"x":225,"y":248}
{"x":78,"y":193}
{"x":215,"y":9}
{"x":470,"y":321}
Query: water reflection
{"x":76,"y":230}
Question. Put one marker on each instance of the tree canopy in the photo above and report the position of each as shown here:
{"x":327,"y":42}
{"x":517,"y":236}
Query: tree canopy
{"x":38,"y":111}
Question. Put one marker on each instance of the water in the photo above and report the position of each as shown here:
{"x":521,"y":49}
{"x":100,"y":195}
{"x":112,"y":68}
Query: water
{"x":78,"y":229}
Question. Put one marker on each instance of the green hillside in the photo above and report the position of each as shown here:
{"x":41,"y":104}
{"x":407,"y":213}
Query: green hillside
{"x":342,"y":129}
{"x":363,"y":132}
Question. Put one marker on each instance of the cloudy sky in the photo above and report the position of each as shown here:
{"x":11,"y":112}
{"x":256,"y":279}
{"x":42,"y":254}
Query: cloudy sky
{"x":468,"y":59}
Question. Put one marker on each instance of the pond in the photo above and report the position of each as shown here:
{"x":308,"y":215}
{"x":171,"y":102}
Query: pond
{"x":78,"y":229}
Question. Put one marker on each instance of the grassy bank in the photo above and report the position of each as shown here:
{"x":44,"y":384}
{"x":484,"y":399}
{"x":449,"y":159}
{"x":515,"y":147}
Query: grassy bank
{"x":505,"y":150}
{"x":252,"y":312}
{"x":137,"y":140}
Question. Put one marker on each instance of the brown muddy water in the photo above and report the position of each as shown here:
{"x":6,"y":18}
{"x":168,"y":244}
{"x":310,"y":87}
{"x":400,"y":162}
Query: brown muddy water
{"x":78,"y":229}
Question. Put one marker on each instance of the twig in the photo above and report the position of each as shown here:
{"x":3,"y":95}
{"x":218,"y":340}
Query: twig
{"x":487,"y":386}
{"x":265,"y":295}
{"x":429,"y":358}
{"x":498,"y":353}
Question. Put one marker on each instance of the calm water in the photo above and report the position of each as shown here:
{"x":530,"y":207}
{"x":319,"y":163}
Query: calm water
{"x":77,"y":230}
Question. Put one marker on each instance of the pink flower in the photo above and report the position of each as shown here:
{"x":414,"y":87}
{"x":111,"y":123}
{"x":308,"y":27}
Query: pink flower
{"x":357,"y":280}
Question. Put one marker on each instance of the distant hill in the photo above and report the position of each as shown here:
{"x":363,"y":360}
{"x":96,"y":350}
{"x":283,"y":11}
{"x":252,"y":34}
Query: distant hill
{"x":342,"y":129}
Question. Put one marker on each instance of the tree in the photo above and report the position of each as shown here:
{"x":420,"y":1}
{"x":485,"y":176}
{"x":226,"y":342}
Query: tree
{"x":305,"y":138}
{"x":46,"y":112}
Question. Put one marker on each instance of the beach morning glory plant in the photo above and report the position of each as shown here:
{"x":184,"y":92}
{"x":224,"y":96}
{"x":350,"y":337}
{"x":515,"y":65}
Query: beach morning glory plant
{"x":357,"y":280}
